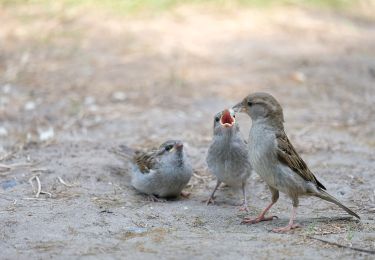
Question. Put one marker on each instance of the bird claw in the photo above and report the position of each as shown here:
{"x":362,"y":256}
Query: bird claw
{"x":248,"y":220}
{"x":153,"y":198}
{"x":211,"y":200}
{"x":243,"y":207}
{"x":286,"y":228}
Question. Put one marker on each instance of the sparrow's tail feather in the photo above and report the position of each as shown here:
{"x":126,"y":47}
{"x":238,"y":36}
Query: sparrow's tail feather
{"x":123,"y":152}
{"x":324,"y":195}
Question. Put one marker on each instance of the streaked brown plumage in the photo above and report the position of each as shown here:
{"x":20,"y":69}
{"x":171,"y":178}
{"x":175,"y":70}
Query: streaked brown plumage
{"x":288,"y":156}
{"x":144,"y":160}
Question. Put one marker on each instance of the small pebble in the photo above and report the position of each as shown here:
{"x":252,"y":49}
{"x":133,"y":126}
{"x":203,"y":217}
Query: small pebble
{"x":298,"y":77}
{"x":6,"y":88}
{"x":3,"y":131}
{"x":46,"y":134}
{"x":30,"y":105}
{"x":119,"y":96}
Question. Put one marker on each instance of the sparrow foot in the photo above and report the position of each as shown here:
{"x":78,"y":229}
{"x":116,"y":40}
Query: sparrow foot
{"x":286,"y":228}
{"x":249,"y":220}
{"x":243,"y":207}
{"x":185,"y":194}
{"x":211,"y":200}
{"x":153,"y":198}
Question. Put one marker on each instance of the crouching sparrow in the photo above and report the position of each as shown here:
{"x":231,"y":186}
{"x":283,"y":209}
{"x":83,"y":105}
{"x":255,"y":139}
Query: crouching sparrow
{"x":161,"y":172}
{"x":274,"y":158}
{"x":227,"y":156}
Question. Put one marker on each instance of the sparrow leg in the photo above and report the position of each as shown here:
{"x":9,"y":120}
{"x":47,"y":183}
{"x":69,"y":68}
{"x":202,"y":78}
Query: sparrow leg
{"x":185,"y":194}
{"x":291,"y":224}
{"x":212,"y":198}
{"x":153,"y":198}
{"x":261,"y":217}
{"x":244,"y":202}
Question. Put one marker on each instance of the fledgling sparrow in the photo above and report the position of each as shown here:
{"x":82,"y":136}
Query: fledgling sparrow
{"x":274,"y":158}
{"x":227,"y":156}
{"x":161,"y":172}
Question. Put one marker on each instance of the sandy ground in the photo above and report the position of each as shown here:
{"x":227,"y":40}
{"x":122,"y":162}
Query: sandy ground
{"x":74,"y":83}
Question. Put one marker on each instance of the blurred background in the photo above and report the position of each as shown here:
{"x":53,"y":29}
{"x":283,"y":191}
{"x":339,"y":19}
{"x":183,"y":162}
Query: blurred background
{"x":78,"y":77}
{"x":92,"y":69}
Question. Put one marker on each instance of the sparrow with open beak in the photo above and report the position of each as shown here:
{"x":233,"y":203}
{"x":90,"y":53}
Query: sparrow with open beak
{"x":227,"y":156}
{"x":274,"y":158}
{"x":161,"y":172}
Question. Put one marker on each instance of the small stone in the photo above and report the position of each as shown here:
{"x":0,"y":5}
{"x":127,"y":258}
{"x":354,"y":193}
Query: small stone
{"x":30,"y":105}
{"x":46,"y":134}
{"x":7,"y":88}
{"x":3,"y":131}
{"x":298,"y":77}
{"x":119,"y":96}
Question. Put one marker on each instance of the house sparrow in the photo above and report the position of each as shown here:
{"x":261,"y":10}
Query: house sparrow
{"x":161,"y":172}
{"x":227,"y":157}
{"x":275,"y":159}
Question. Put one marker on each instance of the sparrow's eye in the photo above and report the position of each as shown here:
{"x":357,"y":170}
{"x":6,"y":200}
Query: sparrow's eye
{"x":217,"y":119}
{"x":168,"y":147}
{"x":249,"y":103}
{"x":234,"y":115}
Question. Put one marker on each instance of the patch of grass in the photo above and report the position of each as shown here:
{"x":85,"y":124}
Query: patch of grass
{"x":350,"y":234}
{"x":311,"y":228}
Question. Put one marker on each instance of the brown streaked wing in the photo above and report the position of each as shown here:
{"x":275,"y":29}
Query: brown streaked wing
{"x":288,"y":156}
{"x":145,"y":160}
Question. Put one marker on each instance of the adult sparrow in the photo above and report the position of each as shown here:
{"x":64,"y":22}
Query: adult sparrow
{"x":227,"y":156}
{"x":274,"y":158}
{"x":161,"y":172}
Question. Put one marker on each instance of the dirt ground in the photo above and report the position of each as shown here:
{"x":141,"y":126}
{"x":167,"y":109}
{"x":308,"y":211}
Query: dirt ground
{"x":74,"y":83}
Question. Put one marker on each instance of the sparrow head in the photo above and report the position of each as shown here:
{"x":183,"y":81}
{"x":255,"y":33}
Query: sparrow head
{"x":261,"y":106}
{"x":171,"y":152}
{"x":225,"y":122}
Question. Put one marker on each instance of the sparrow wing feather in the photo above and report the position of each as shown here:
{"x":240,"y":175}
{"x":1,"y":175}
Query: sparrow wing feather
{"x":146,"y":161}
{"x":288,"y":156}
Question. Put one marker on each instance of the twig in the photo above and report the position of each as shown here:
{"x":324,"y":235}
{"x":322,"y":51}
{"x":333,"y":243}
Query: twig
{"x":45,"y":192}
{"x":343,"y":246}
{"x":39,"y":170}
{"x":39,"y":185}
{"x":27,"y":198}
{"x":14,"y":165}
{"x":7,"y":167}
{"x":63,"y":182}
{"x":7,"y":156}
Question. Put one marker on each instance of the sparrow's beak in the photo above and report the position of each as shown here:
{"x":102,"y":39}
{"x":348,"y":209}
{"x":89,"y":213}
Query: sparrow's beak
{"x":179,"y":146}
{"x":227,"y":120}
{"x":239,"y":107}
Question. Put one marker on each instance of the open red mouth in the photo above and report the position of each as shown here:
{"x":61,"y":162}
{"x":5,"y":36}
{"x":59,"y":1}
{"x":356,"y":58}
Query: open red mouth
{"x":226,"y":119}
